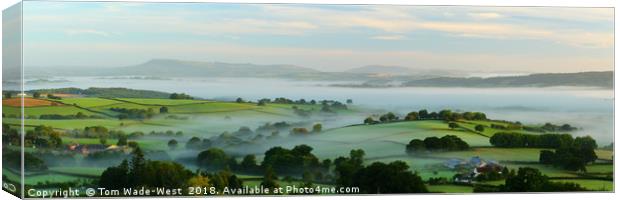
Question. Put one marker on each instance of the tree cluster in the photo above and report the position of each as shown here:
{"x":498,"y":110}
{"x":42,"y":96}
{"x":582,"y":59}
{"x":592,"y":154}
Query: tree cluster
{"x":134,"y":113}
{"x":180,"y":96}
{"x":140,"y":172}
{"x":445,"y":143}
{"x":291,"y":161}
{"x":574,"y":157}
{"x":198,"y":144}
{"x":78,"y":115}
{"x":446,"y":115}
{"x":378,"y":177}
{"x":514,"y":139}
{"x":42,"y":137}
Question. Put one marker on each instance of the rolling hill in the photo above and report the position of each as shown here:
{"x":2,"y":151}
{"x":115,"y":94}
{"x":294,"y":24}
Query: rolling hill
{"x":587,"y":79}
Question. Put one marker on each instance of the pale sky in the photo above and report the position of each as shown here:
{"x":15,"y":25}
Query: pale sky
{"x":323,"y":37}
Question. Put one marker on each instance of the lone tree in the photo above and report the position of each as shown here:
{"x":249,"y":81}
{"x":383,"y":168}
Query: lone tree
{"x":453,"y":125}
{"x":479,"y":128}
{"x":172,"y":144}
{"x":163,"y":109}
{"x":369,"y":120}
{"x":239,"y":100}
{"x":36,"y":95}
{"x":412,"y":116}
{"x":317,"y":128}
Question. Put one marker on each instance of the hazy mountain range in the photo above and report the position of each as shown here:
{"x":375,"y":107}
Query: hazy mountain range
{"x":371,"y":75}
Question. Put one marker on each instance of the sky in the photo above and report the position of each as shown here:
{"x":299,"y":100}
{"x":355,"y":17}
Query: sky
{"x":322,"y":37}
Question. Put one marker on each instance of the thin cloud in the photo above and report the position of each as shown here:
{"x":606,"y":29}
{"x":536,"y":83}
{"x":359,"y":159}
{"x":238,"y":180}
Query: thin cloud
{"x":87,"y":32}
{"x":486,"y":15}
{"x":389,"y":37}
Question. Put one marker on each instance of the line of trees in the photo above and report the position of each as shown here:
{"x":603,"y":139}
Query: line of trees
{"x":296,"y":161}
{"x":78,"y":115}
{"x":514,"y":139}
{"x":180,"y":96}
{"x":445,"y":143}
{"x":446,"y":115}
{"x":378,"y":177}
{"x":134,"y":113}
{"x":570,"y":153}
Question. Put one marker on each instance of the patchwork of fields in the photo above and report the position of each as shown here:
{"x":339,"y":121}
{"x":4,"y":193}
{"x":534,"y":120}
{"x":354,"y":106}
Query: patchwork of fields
{"x":383,"y":142}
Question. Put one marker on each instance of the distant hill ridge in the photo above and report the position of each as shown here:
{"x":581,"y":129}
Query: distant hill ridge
{"x":107,"y":92}
{"x":170,"y":67}
{"x":585,"y":79}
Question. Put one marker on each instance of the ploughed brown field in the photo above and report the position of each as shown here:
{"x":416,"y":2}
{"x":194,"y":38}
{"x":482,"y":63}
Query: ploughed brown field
{"x":28,"y":102}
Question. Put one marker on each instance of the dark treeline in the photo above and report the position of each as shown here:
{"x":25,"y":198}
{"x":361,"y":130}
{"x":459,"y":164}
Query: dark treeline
{"x":52,"y":96}
{"x":571,"y":157}
{"x":180,"y":96}
{"x":105,"y":92}
{"x":549,"y":127}
{"x":10,"y":136}
{"x":12,"y":159}
{"x":78,"y":115}
{"x":39,"y":137}
{"x":295,"y":161}
{"x":134,"y":113}
{"x":513,"y":139}
{"x":447,"y":115}
{"x":377,"y":177}
{"x":570,"y":153}
{"x":445,"y":143}
{"x":140,"y":172}
{"x":326,"y":105}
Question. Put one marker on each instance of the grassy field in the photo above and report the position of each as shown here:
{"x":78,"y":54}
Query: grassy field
{"x":400,"y":132}
{"x":73,"y":123}
{"x":450,"y":188}
{"x":600,"y":168}
{"x":163,"y":102}
{"x":597,"y":185}
{"x":78,"y":171}
{"x":40,"y":110}
{"x":497,"y":154}
{"x":145,"y":143}
{"x":381,"y":142}
{"x":89,"y":102}
{"x":40,"y":178}
{"x":425,"y":167}
{"x":604,"y":154}
{"x":52,"y":178}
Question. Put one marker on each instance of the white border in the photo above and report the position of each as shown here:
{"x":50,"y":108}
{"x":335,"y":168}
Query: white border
{"x":556,"y":3}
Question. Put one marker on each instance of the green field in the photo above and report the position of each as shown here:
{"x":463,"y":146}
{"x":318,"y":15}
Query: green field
{"x":450,"y":188}
{"x":78,"y":171}
{"x":497,"y":154}
{"x":89,"y":102}
{"x":163,"y":102}
{"x":597,"y":185}
{"x":400,"y":132}
{"x":40,"y":110}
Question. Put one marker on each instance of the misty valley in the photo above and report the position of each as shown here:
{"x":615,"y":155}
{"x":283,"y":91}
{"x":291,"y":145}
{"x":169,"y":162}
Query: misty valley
{"x":119,"y":132}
